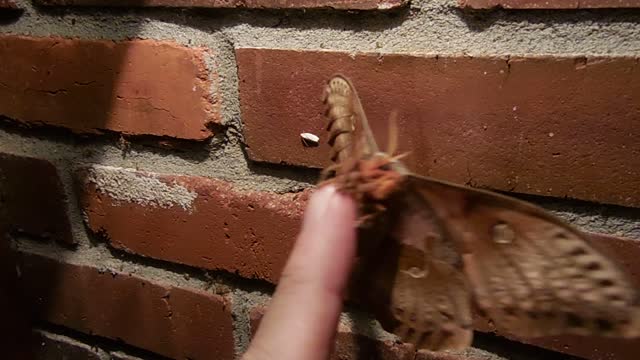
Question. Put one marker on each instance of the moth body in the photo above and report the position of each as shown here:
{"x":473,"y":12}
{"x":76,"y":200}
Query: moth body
{"x":430,"y":250}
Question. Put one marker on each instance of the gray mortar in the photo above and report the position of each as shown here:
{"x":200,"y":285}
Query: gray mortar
{"x":102,"y":354}
{"x":129,"y":186}
{"x":604,"y":219}
{"x":430,"y":27}
{"x":229,"y":163}
{"x":359,"y":323}
{"x":243,"y":302}
{"x":122,"y":355}
{"x":99,"y":256}
{"x":476,"y":354}
{"x":225,"y":161}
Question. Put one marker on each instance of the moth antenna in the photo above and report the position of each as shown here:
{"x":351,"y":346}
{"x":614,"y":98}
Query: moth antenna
{"x":392,"y":144}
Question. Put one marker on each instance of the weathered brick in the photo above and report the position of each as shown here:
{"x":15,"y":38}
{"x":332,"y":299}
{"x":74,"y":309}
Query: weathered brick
{"x":54,"y":346}
{"x":467,"y":354}
{"x":352,"y":346}
{"x":250,"y":4}
{"x":138,"y":87}
{"x":548,"y":4}
{"x":560,"y":127}
{"x":33,"y":198}
{"x":8,"y":4}
{"x":192,"y":220}
{"x":161,"y":318}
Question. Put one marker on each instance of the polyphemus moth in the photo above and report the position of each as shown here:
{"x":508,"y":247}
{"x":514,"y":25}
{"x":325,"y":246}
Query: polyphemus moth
{"x":430,"y":251}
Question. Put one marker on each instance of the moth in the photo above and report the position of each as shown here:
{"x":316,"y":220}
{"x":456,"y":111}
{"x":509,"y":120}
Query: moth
{"x":430,"y":252}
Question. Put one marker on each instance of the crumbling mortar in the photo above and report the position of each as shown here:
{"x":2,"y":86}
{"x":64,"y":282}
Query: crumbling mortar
{"x":243,"y":302}
{"x":109,"y":260}
{"x":436,"y":27}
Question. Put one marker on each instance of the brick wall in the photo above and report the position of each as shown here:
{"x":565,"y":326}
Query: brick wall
{"x":152,"y":177}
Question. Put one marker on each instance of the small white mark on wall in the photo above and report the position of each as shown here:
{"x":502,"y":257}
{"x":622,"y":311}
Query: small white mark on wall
{"x":309,"y":139}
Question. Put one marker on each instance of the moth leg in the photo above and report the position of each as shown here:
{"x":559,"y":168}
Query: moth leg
{"x":392,"y":143}
{"x":329,"y":172}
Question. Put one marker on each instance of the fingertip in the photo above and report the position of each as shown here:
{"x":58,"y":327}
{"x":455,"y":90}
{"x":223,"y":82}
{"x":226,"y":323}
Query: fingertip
{"x":329,"y":206}
{"x":306,"y":306}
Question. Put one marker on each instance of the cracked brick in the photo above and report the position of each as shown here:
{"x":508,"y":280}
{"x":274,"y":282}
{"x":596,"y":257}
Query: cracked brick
{"x":89,"y":86}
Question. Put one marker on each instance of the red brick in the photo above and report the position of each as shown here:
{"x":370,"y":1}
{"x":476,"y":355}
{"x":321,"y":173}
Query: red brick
{"x":352,"y":346}
{"x":243,"y":232}
{"x":15,"y":328}
{"x":200,"y":320}
{"x":251,"y":4}
{"x":8,"y":4}
{"x":560,"y":127}
{"x":548,"y":4}
{"x":161,"y":318}
{"x":467,"y":354}
{"x":54,"y":346}
{"x":138,"y":87}
{"x":33,"y":198}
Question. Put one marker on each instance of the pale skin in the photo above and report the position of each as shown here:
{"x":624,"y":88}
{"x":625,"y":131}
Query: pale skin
{"x":302,"y":317}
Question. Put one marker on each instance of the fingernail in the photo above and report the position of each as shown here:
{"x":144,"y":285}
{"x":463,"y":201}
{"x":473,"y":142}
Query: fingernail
{"x":320,"y":202}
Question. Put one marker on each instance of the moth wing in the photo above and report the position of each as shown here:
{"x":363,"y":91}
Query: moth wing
{"x":532,"y":273}
{"x":429,"y":299}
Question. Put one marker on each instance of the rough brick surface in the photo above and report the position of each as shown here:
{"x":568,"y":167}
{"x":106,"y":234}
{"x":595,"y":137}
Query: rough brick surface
{"x":530,"y":125}
{"x":160,"y":318}
{"x":8,"y":4}
{"x":33,"y":198}
{"x":139,"y":87}
{"x":352,"y":346}
{"x":212,"y":226}
{"x":548,"y":4}
{"x":251,"y":4}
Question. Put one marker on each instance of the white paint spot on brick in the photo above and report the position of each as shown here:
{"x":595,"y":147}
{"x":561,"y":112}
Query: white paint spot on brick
{"x":144,"y":189}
